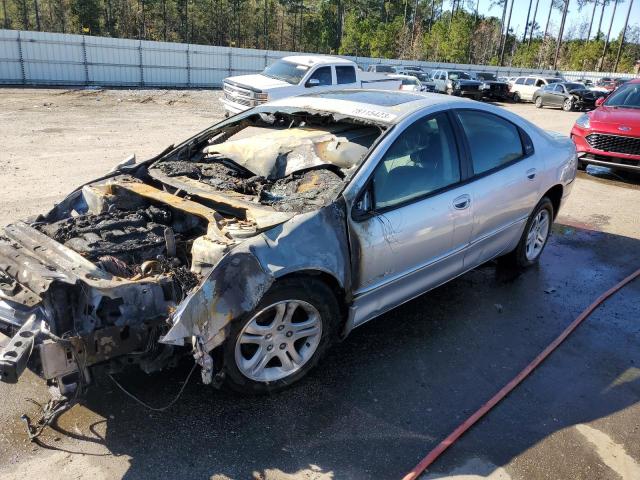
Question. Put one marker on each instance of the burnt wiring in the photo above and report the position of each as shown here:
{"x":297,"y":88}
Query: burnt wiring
{"x":146,"y":405}
{"x":56,"y":406}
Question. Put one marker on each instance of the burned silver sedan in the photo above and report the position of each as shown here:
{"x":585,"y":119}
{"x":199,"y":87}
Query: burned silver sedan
{"x":256,"y":244}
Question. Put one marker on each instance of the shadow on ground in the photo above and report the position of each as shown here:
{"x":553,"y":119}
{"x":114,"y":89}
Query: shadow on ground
{"x":386,"y":395}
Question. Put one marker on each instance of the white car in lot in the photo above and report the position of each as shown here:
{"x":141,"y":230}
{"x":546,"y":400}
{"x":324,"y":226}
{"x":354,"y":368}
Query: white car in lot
{"x":523,"y":88}
{"x":409,"y":83}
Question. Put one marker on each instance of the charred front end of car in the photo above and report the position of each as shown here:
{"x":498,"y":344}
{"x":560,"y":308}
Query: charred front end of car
{"x":154,"y":260}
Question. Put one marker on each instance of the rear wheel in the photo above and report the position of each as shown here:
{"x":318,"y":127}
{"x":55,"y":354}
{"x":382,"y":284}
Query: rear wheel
{"x":283,"y":338}
{"x":539,"y":102}
{"x":516,"y":97}
{"x":535,"y":236}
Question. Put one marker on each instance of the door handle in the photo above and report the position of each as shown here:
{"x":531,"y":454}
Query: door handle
{"x":462,"y":202}
{"x":531,"y":173}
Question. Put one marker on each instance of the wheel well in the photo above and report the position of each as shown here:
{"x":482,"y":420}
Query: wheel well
{"x":555,"y":195}
{"x":332,"y":282}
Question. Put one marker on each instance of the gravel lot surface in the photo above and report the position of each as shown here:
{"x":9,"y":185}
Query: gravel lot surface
{"x":395,"y":387}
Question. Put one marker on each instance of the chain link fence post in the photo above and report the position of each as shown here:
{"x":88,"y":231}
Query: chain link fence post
{"x":84,"y":61}
{"x":189,"y":65}
{"x":22,"y":72}
{"x":140,"y":63}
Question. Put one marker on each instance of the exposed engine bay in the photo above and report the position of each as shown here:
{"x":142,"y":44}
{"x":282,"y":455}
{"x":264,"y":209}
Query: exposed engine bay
{"x":110,"y":275}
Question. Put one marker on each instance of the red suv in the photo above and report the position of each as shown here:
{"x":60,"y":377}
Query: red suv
{"x":610,"y":134}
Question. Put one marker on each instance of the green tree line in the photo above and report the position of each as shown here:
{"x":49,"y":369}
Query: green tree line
{"x":433,"y":30}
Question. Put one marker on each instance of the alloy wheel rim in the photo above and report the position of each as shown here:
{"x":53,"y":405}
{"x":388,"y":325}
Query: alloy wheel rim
{"x":537,"y":235}
{"x":278,"y":340}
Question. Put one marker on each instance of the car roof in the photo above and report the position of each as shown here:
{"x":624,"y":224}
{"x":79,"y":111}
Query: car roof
{"x":316,"y":59}
{"x":401,"y":75}
{"x":385,"y":106}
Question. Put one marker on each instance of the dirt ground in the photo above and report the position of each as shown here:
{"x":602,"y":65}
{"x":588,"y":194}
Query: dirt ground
{"x":394,"y":388}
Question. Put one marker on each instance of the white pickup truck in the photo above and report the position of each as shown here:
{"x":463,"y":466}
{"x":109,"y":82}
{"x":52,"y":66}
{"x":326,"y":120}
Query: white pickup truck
{"x":295,"y":75}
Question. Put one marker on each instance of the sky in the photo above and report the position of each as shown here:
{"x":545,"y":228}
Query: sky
{"x":520,"y":7}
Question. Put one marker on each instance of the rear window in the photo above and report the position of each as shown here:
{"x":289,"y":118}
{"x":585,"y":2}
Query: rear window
{"x":384,"y":69}
{"x":345,"y":74}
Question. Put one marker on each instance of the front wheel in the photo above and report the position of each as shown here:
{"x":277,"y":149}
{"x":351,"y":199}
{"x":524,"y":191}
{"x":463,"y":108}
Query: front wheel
{"x":539,"y":102}
{"x":516,"y":97}
{"x":535,"y":236}
{"x":283,"y":338}
{"x":567,"y":105}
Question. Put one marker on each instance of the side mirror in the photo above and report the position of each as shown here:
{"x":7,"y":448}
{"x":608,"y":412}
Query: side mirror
{"x":600,"y":101}
{"x":363,"y":208}
{"x":127,"y":162}
{"x":312,"y":82}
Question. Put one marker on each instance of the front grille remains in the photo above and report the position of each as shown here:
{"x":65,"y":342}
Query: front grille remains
{"x":614,"y":143}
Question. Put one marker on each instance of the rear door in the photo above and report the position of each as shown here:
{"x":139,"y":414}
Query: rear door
{"x":505,"y":183}
{"x":346,"y":76}
{"x":411,"y":223}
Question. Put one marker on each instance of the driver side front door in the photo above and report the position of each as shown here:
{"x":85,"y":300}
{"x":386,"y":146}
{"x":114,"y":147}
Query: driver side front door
{"x":413,"y":238}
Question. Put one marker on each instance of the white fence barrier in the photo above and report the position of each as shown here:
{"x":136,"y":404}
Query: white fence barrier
{"x":39,"y":58}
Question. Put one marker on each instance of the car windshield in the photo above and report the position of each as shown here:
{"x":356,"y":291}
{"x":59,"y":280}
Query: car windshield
{"x":627,"y":96}
{"x":573,"y":86}
{"x":459,"y":75}
{"x":486,"y":76}
{"x":553,"y":80}
{"x":384,"y":69}
{"x":409,"y":81}
{"x":289,"y":72}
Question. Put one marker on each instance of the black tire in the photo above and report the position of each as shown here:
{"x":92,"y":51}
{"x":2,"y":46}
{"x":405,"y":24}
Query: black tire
{"x":518,"y":257}
{"x":516,"y":97}
{"x":582,"y":165}
{"x":567,"y":105}
{"x":538,"y":102}
{"x":308,"y":289}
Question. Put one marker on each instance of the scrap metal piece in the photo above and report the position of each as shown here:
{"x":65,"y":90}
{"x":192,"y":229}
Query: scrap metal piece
{"x":234,"y":287}
{"x":14,"y":357}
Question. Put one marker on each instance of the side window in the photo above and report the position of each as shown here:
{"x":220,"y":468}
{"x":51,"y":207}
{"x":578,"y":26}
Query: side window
{"x":558,"y":88}
{"x":520,"y":81}
{"x":493,"y":141}
{"x":529,"y":81}
{"x":323,"y":75}
{"x":345,"y":74}
{"x":423,"y":159}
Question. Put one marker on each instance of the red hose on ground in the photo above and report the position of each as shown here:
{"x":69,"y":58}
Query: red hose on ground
{"x":469,"y":422}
